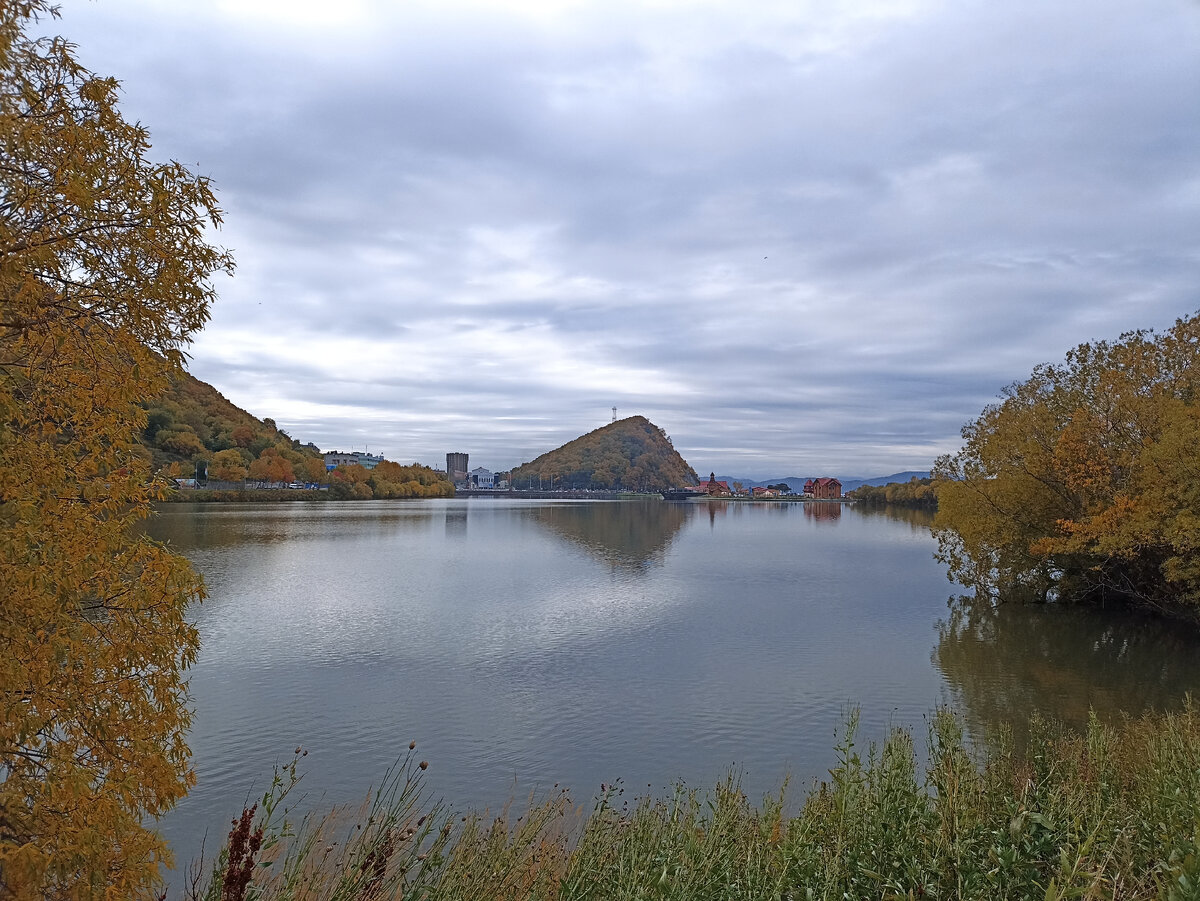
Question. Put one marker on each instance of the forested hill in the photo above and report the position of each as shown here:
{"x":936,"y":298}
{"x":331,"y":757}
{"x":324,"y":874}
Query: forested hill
{"x":193,"y":420}
{"x":631,"y":454}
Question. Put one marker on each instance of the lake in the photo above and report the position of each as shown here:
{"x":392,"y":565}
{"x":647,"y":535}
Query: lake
{"x":528,"y":643}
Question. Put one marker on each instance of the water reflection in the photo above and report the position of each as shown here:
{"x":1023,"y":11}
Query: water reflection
{"x":456,"y":523}
{"x":917,"y":518}
{"x":624,"y":535}
{"x":823,"y":511}
{"x":1001,"y":663}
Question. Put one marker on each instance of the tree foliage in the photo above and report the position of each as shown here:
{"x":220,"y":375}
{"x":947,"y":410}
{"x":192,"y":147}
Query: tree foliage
{"x":1083,"y":483}
{"x":919,"y":493}
{"x":104,"y":274}
{"x":388,"y":480}
{"x":631,"y":454}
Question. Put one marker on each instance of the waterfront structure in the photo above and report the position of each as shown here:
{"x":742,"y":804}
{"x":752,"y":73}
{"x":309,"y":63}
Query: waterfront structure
{"x":714,"y":488}
{"x":823,"y":489}
{"x":482,"y":478}
{"x":456,"y":468}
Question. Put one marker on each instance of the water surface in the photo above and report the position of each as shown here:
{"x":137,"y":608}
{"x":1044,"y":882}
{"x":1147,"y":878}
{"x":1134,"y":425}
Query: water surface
{"x":525,"y":644}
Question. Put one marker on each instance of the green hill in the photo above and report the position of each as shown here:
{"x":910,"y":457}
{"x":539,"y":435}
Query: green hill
{"x":632,"y":454}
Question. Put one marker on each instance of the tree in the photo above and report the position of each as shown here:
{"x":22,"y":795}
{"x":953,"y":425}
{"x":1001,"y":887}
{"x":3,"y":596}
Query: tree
{"x":1083,"y":483}
{"x":104,"y":275}
{"x":271,"y":466}
{"x":228,"y":466}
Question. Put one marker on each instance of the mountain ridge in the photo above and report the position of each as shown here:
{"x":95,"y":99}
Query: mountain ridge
{"x":849,"y":483}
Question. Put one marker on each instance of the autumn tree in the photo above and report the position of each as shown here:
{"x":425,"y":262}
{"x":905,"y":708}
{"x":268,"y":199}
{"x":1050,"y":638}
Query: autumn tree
{"x":271,"y":466}
{"x":104,"y":275}
{"x":1083,"y":483}
{"x":228,"y":466}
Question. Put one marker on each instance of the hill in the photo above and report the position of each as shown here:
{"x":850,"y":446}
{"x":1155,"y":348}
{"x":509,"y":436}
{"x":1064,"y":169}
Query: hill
{"x":630,"y":454}
{"x":194,"y":421}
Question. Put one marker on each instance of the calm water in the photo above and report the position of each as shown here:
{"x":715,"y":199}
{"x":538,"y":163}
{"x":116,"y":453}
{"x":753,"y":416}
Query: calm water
{"x":528,"y":643}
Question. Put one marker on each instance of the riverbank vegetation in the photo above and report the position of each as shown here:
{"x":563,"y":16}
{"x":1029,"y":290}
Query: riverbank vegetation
{"x":1110,"y":812}
{"x":917,"y":493}
{"x":1083,"y":483}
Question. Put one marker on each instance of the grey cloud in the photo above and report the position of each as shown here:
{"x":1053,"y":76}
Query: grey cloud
{"x":829,"y":241}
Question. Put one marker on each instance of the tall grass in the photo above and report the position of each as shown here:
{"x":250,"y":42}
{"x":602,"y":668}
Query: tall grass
{"x":1113,"y":812}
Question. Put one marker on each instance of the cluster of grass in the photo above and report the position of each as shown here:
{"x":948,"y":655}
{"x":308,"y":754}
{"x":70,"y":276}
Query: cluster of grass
{"x":1111,"y":813}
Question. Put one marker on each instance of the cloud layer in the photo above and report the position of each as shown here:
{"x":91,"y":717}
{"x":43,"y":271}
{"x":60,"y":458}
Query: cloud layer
{"x":801,"y":237}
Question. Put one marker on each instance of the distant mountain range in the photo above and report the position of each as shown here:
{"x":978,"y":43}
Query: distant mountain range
{"x":848,"y":484}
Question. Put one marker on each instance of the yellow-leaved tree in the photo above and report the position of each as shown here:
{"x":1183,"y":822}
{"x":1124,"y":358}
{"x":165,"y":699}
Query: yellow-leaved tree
{"x":105,"y":271}
{"x":1083,"y":484}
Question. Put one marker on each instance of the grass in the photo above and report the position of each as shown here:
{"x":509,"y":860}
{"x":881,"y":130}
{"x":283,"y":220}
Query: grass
{"x":1111,"y":813}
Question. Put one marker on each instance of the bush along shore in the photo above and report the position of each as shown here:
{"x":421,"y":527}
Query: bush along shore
{"x":1110,"y":813}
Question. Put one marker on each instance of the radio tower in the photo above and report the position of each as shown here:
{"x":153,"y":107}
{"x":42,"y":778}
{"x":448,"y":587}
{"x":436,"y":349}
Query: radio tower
{"x":614,"y":414}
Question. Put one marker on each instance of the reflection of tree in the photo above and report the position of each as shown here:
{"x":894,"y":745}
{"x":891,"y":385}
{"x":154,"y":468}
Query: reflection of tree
{"x":624,"y":534}
{"x":920,"y":520}
{"x":1004,"y":662}
{"x":823,"y":512}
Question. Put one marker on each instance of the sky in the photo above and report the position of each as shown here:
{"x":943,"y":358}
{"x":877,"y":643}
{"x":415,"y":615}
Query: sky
{"x":804,"y":238}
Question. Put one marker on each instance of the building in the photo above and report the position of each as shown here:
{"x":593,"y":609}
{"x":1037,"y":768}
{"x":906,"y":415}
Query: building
{"x":456,"y":468}
{"x":716,"y":488}
{"x":334,"y":459}
{"x":369,"y":461}
{"x":823,"y":489}
{"x":482,"y":478}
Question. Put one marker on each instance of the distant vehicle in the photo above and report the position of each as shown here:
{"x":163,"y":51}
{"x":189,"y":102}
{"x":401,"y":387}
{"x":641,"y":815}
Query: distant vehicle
{"x":296,"y":485}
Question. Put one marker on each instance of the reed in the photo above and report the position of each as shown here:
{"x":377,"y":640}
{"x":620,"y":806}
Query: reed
{"x":1112,"y":812}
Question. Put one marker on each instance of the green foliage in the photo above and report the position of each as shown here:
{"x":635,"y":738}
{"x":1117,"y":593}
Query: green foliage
{"x":632,"y":454}
{"x":918,"y":493}
{"x":1083,"y":483}
{"x":1108,"y":812}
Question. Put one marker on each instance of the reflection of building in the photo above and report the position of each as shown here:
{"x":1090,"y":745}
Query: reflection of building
{"x":456,"y":468}
{"x":823,"y":489}
{"x":823,"y":512}
{"x":334,"y":459}
{"x":482,"y":478}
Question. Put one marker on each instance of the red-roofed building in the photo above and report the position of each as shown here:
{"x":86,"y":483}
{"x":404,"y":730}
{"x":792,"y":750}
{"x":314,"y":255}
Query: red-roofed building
{"x":823,"y":489}
{"x":715,"y":488}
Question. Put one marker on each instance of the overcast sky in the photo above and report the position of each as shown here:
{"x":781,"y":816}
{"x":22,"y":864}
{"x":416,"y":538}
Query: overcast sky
{"x":804,"y":238}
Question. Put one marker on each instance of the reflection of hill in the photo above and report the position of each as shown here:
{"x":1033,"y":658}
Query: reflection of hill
{"x":1002,"y":663}
{"x":623,"y":534}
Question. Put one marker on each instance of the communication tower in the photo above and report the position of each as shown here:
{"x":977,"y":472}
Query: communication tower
{"x":614,"y":414}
